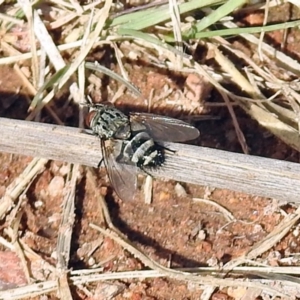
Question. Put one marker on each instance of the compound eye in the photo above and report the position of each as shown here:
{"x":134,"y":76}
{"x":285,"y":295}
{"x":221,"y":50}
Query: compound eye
{"x":89,"y":118}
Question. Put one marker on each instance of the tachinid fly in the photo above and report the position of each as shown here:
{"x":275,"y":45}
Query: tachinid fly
{"x":130,"y":142}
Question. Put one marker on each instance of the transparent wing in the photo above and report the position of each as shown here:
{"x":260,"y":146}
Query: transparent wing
{"x":163,"y":128}
{"x":122,"y":176}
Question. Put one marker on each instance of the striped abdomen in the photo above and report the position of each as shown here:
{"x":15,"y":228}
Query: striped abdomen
{"x":143,"y":151}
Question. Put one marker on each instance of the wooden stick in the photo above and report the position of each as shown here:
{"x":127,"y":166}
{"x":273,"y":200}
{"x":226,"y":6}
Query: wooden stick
{"x":203,"y":166}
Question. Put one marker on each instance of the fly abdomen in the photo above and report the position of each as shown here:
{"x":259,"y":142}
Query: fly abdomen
{"x":147,"y":147}
{"x":143,"y":151}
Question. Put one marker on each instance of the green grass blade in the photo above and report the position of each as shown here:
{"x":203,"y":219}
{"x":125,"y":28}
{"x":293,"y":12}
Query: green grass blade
{"x":50,"y":82}
{"x":135,"y":34}
{"x":217,"y":15}
{"x":258,"y":29}
{"x":235,"y":31}
{"x":147,"y":18}
{"x":98,"y":68}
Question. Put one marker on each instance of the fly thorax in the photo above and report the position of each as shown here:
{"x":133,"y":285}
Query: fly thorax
{"x":109,"y":123}
{"x":123,"y":131}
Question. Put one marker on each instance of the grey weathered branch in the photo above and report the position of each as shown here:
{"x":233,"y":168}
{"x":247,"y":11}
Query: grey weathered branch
{"x":191,"y":164}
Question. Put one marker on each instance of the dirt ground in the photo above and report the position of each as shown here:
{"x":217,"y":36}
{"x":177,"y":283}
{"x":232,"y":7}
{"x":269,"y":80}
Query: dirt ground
{"x":174,"y":230}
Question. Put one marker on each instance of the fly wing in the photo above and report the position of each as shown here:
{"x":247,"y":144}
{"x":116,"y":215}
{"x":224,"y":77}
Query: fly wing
{"x":122,"y":176}
{"x":163,"y":128}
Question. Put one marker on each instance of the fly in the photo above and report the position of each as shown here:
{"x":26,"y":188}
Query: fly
{"x":132,"y":142}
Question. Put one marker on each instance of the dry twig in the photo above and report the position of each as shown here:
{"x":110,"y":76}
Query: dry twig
{"x":202,"y":166}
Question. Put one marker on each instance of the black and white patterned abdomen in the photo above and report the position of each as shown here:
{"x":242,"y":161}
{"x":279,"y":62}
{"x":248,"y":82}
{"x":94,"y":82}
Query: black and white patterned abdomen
{"x":143,"y":151}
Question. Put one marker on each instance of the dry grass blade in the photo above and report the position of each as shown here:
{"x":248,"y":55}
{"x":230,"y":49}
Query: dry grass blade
{"x":45,"y":38}
{"x":102,"y":16}
{"x":30,"y":290}
{"x":238,"y":131}
{"x":65,"y":234}
{"x":148,"y":189}
{"x":175,"y":17}
{"x":67,"y":222}
{"x":19,"y":184}
{"x":28,"y":10}
{"x":226,"y":213}
{"x":265,"y":115}
{"x":89,"y":276}
{"x":25,"y":56}
{"x":10,"y":19}
{"x":12,"y":232}
{"x":63,"y":287}
{"x":268,"y":242}
{"x":269,"y":120}
{"x":208,"y":280}
{"x":276,"y":235}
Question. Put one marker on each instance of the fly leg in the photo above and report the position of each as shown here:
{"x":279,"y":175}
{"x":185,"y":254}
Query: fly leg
{"x":100,"y":163}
